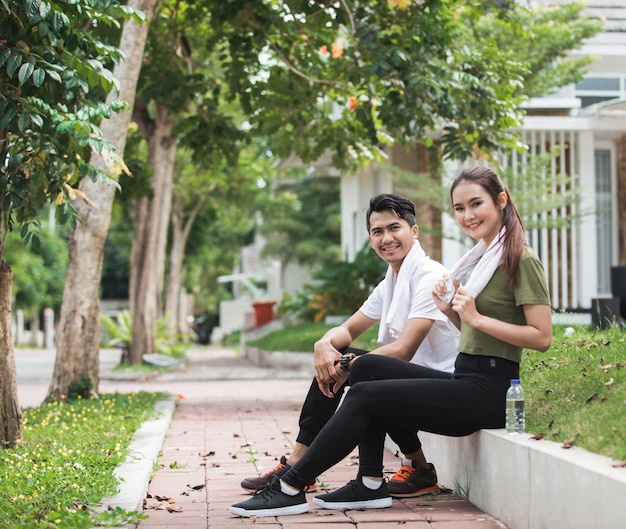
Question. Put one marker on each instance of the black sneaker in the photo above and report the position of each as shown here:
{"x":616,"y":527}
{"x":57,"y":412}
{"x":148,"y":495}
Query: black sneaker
{"x":355,"y":495}
{"x":260,"y":482}
{"x":410,"y":481}
{"x":271,"y":501}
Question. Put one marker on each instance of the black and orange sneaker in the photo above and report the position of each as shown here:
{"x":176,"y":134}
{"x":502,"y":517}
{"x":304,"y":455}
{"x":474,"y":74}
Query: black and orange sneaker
{"x":258,"y":483}
{"x":410,"y":481}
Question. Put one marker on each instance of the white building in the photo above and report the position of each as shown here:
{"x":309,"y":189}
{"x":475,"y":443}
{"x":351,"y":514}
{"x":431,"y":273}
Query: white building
{"x":588,"y":123}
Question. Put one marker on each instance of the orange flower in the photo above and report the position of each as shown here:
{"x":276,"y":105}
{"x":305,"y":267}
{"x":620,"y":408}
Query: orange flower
{"x":337,"y":50}
{"x":352,"y":104}
{"x":180,"y":396}
{"x":324,"y":50}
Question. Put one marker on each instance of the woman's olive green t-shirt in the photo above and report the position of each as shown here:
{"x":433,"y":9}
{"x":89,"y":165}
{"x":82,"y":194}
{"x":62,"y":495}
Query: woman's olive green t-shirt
{"x":501,"y":301}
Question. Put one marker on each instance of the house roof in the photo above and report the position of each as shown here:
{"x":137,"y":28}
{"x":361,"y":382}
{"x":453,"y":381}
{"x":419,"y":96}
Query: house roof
{"x":613,"y":108}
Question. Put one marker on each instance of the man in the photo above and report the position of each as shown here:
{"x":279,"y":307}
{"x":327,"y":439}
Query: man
{"x":411,"y":328}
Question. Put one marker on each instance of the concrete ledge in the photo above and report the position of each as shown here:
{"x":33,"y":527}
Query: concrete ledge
{"x":277,"y":359}
{"x":528,"y":484}
{"x":135,"y":473}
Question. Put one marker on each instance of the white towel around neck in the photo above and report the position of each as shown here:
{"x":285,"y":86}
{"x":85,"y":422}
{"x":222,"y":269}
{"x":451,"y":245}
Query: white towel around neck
{"x":488,"y":257}
{"x":397,"y":298}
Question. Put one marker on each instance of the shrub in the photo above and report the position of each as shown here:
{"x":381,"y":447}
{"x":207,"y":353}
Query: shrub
{"x":341,"y":288}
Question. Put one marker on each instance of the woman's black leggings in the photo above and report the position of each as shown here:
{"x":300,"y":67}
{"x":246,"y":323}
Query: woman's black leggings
{"x":472,"y":399}
{"x":317,"y":408}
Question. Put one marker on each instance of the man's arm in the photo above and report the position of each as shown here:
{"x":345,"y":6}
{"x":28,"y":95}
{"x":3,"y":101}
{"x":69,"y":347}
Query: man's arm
{"x":412,"y":335}
{"x":326,"y":349}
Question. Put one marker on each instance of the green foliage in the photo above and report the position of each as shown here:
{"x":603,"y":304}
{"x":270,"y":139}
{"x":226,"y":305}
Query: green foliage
{"x":226,"y":199}
{"x":38,"y":271}
{"x":305,"y":226}
{"x":349,"y":78}
{"x":118,"y":333}
{"x":54,"y":64}
{"x":341,"y":288}
{"x":80,"y":388}
{"x":543,"y":38}
{"x":65,"y":464}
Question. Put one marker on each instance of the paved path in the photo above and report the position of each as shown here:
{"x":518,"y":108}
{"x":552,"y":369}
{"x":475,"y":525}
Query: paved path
{"x":234,"y":420}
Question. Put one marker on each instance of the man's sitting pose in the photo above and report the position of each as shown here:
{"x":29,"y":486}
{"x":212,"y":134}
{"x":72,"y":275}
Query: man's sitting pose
{"x":412,"y":328}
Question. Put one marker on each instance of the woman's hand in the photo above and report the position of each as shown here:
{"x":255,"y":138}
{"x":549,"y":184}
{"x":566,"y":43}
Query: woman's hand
{"x":464,"y":305}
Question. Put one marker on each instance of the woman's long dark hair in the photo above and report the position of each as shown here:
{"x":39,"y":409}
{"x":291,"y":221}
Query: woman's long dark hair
{"x":515,"y":236}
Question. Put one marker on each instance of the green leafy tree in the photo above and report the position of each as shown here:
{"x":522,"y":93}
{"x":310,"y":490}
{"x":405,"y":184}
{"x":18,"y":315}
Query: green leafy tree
{"x":340,"y":288}
{"x":306,"y":229}
{"x":54,"y":70}
{"x":38,"y":272}
{"x":78,"y":330}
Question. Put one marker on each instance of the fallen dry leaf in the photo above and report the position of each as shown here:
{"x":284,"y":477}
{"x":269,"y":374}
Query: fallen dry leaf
{"x":539,"y":436}
{"x":164,"y":498}
{"x":592,"y":398}
{"x":196,"y":487}
{"x":322,"y":512}
{"x":570,"y":443}
{"x":621,"y":464}
{"x":156,"y":506}
{"x":174,"y":509}
{"x":608,"y":384}
{"x":207,"y":454}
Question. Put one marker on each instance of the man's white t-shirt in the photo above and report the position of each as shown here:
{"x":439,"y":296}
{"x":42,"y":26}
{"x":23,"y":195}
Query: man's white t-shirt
{"x":440,"y":347}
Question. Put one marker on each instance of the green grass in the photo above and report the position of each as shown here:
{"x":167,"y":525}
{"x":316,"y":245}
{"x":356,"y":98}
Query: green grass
{"x":301,"y":338}
{"x":576,"y":388}
{"x":65,"y":462}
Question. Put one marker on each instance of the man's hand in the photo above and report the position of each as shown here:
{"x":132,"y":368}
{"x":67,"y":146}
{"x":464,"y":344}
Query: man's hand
{"x":325,"y":361}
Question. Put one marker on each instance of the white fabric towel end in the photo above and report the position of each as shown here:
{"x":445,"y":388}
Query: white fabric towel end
{"x":490,"y":259}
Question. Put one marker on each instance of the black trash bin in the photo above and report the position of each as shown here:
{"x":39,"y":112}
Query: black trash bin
{"x":605,"y":312}
{"x":618,"y":287}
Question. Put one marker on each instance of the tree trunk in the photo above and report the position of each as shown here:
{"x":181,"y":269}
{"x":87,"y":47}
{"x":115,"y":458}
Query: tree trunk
{"x":148,"y":251}
{"x":34,"y":330}
{"x":180,"y":234}
{"x":78,"y":338}
{"x":10,"y":410}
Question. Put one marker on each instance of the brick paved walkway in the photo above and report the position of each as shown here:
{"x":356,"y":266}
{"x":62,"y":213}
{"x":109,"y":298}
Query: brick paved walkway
{"x":223,"y":431}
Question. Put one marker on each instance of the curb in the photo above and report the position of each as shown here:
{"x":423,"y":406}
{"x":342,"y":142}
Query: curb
{"x":135,"y":473}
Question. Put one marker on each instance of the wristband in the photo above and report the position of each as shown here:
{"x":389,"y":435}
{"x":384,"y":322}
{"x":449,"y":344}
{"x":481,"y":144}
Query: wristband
{"x":344,"y":363}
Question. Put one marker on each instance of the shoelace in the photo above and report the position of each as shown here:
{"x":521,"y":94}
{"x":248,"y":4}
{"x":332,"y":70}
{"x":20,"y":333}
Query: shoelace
{"x":403,"y":473}
{"x":268,"y":491}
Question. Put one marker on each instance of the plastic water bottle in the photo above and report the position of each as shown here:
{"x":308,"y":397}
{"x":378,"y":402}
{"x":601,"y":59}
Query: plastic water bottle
{"x":515,"y":415}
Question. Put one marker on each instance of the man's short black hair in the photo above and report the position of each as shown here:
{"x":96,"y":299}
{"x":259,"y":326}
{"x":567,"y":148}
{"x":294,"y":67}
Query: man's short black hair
{"x":401,"y":206}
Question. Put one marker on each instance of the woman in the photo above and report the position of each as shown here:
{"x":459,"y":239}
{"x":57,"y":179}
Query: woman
{"x":503,"y":308}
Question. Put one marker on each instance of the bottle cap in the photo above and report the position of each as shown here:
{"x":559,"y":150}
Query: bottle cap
{"x":515,"y":381}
